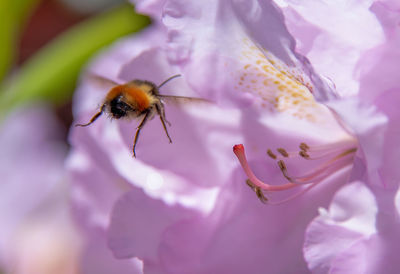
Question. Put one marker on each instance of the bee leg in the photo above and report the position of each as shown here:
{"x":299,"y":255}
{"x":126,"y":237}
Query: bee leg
{"x":142,"y":123}
{"x":161,"y":113}
{"x":94,"y":118}
{"x":165,"y":128}
{"x":163,"y":116}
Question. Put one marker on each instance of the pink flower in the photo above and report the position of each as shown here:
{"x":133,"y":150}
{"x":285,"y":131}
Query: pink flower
{"x":357,"y":235}
{"x":363,"y":218}
{"x":184,"y":207}
{"x":36,"y":233}
{"x":96,"y":185}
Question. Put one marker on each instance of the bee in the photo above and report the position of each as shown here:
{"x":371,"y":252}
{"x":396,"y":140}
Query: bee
{"x":136,"y":99}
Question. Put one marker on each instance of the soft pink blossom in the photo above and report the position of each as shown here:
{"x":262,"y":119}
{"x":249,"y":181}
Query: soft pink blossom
{"x":185,"y":207}
{"x":357,"y":235}
{"x":36,"y":233}
{"x":96,"y":185}
{"x":363,"y":218}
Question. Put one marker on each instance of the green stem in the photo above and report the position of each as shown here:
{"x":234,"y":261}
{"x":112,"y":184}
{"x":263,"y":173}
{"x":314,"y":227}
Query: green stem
{"x":13,"y":15}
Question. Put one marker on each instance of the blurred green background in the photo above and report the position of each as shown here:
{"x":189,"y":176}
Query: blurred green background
{"x":46,"y":43}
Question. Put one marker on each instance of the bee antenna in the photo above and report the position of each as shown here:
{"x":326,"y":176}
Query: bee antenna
{"x":169,"y":79}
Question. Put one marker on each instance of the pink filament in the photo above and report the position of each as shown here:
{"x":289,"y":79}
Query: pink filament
{"x":240,"y":154}
{"x":339,"y":161}
{"x":325,"y":170}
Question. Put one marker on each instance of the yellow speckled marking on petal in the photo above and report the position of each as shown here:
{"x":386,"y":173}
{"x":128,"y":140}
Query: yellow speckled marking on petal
{"x":279,"y":87}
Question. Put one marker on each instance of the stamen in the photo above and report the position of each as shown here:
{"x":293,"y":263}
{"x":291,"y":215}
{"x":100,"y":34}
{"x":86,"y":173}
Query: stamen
{"x":340,"y":155}
{"x":327,"y":147}
{"x":239,"y":152}
{"x":316,"y":152}
{"x":294,"y":195}
{"x":304,"y":147}
{"x":304,"y":154}
{"x":258,"y":191}
{"x":331,"y":164}
{"x":261,"y":196}
{"x":283,"y":152}
{"x":323,"y":154}
{"x":322,"y":172}
{"x":282,"y":167}
{"x":250,"y":184}
{"x":271,"y":154}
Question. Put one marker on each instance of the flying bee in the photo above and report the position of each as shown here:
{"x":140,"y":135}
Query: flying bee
{"x":137,"y":98}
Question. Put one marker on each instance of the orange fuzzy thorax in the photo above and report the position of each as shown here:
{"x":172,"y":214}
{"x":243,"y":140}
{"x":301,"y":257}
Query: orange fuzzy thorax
{"x":134,"y":96}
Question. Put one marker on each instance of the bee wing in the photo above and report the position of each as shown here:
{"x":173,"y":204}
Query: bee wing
{"x":101,"y":81}
{"x":171,"y":99}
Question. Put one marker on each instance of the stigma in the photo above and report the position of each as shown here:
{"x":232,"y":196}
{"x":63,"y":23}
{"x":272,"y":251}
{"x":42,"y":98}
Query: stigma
{"x":324,"y":160}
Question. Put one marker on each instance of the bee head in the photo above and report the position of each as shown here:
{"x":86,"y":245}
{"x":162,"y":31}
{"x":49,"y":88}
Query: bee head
{"x":118,"y":108}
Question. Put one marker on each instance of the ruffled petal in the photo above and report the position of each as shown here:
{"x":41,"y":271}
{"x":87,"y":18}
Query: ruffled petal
{"x":243,"y":55}
{"x":335,"y":36}
{"x":187,"y":207}
{"x":152,"y":8}
{"x":368,"y":124}
{"x":375,"y":254}
{"x":240,"y":234}
{"x":138,"y":224}
{"x":378,"y":67}
{"x":347,"y":221}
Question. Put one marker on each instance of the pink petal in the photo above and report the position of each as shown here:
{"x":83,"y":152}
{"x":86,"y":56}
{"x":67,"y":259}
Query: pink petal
{"x":138,"y":224}
{"x":233,"y":238}
{"x":232,"y":45}
{"x":188,"y":209}
{"x":389,"y":173}
{"x":378,"y":66}
{"x":97,"y":258}
{"x":376,"y":254}
{"x":334,"y":36}
{"x":26,"y":134}
{"x":95,"y":189}
{"x":149,"y":7}
{"x":367,"y":124}
{"x":32,"y":204}
{"x":347,"y":221}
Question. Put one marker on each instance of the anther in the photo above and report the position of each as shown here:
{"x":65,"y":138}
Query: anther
{"x":304,"y":147}
{"x":283,"y":168}
{"x":250,"y":184}
{"x":304,"y":154}
{"x":261,"y":195}
{"x":258,"y":191}
{"x":283,"y":152}
{"x":271,"y":154}
{"x":282,"y":165}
